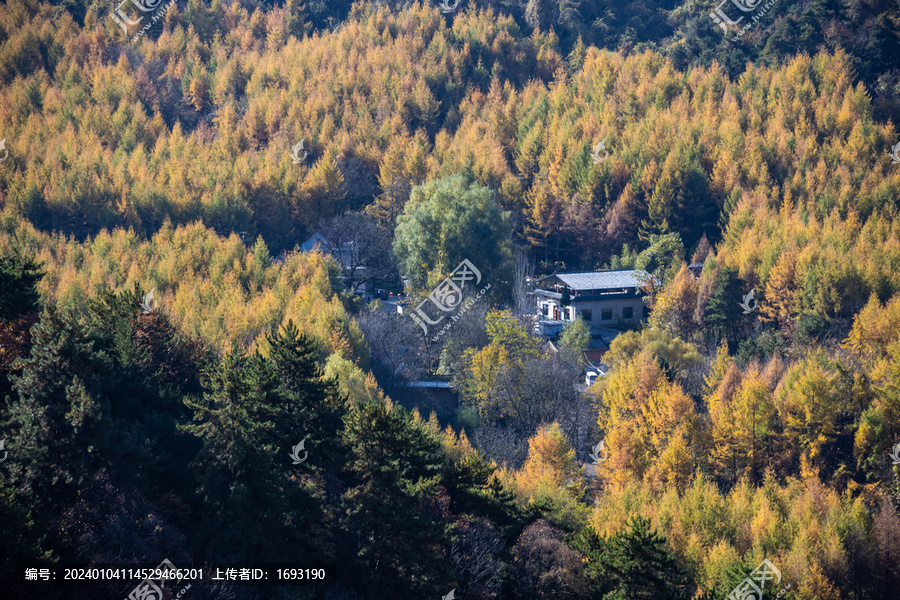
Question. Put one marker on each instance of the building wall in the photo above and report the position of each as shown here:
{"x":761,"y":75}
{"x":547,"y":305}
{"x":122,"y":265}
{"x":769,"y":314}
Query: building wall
{"x":564,"y":313}
{"x":616,"y":307}
{"x":596,"y":307}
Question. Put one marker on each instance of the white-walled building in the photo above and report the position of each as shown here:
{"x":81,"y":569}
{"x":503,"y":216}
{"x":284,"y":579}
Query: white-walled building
{"x":600,"y":298}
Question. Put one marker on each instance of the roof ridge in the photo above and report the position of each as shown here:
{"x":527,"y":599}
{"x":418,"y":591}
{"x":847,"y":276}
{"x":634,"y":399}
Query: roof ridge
{"x":592,"y":272}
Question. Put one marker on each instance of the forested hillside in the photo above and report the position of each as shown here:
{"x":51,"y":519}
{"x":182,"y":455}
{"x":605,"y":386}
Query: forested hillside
{"x":166,"y":343}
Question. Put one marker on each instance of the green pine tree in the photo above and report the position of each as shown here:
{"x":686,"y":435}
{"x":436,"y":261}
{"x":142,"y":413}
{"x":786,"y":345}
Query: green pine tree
{"x":474,"y":488}
{"x":723,"y":311}
{"x":58,"y":428}
{"x":633,"y":564}
{"x":100,"y":391}
{"x":19,"y":276}
{"x":396,"y":512}
{"x":21,"y":546}
{"x":260,"y":504}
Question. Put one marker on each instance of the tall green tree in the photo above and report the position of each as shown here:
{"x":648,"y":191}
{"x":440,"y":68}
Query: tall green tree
{"x":723,"y":311}
{"x":58,"y":426}
{"x":19,"y":276}
{"x":566,"y":298}
{"x":660,"y":260}
{"x":447,"y":221}
{"x":154,"y":367}
{"x":633,"y":564}
{"x":576,"y":335}
{"x":21,"y":545}
{"x":396,"y":512}
{"x":261,"y":504}
{"x":19,"y":307}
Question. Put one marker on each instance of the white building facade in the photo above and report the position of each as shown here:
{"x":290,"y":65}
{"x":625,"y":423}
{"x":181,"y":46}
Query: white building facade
{"x":600,"y":298}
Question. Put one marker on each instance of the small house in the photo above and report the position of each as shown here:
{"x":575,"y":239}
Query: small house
{"x":600,"y":298}
{"x":347,"y":256}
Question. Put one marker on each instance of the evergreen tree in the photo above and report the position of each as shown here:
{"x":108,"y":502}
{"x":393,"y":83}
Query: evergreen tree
{"x":396,"y":511}
{"x":312,"y":403}
{"x":260,"y":504}
{"x":154,"y":368}
{"x":21,"y":546}
{"x":100,"y":392}
{"x":59,"y":426}
{"x":472,"y":481}
{"x":19,"y":276}
{"x":633,"y":564}
{"x":19,"y":306}
{"x":659,"y":260}
{"x":723,"y":311}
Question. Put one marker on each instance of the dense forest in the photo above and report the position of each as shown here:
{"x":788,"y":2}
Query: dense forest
{"x":166,"y":343}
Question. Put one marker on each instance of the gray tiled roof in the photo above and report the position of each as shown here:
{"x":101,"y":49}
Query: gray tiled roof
{"x":316,"y":240}
{"x":596,"y":280}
